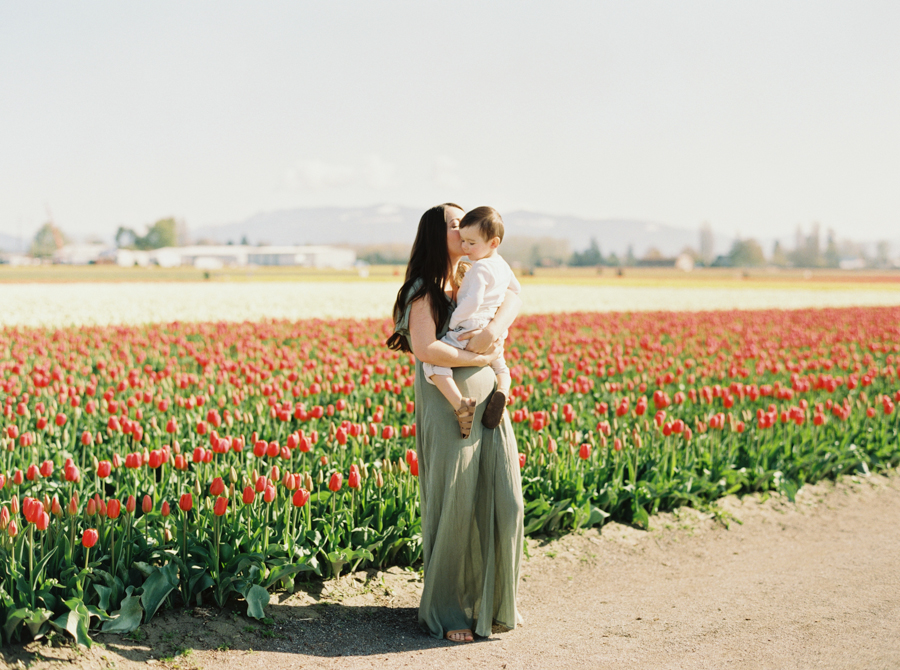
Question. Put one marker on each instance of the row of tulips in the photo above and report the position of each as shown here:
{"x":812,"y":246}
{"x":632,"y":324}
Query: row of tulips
{"x":174,"y":464}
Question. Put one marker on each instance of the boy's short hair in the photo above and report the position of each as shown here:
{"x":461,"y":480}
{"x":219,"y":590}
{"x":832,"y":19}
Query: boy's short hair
{"x":488,"y":220}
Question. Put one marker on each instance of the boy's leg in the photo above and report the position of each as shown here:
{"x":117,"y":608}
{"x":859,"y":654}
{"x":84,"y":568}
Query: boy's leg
{"x":448,"y":389}
{"x":464,"y":408}
{"x":496,"y":405}
{"x":504,"y":382}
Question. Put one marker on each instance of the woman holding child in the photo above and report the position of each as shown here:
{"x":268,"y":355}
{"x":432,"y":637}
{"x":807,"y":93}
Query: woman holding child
{"x":470,"y":488}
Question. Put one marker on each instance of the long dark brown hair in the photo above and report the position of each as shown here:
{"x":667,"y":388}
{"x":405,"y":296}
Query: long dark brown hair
{"x":429,"y":261}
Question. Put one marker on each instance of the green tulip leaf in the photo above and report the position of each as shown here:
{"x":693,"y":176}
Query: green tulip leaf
{"x":104,"y":592}
{"x":284,"y":571}
{"x":158,"y":585}
{"x":36,"y":622}
{"x":13,"y":621}
{"x":75,"y":622}
{"x":128,"y":617}
{"x":144,"y":568}
{"x":257,"y":598}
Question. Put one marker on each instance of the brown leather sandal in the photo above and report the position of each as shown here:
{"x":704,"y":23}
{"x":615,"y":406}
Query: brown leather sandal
{"x":465,"y":632}
{"x":493,"y":412}
{"x":465,"y":415}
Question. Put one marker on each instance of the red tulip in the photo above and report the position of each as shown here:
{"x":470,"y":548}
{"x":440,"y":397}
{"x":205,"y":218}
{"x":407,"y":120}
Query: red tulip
{"x":113,"y":509}
{"x":89,"y":538}
{"x":269,"y":494}
{"x":147,"y":504}
{"x":186,"y":502}
{"x":249,"y":495}
{"x":334,"y":484}
{"x":217,"y":487}
{"x":353,"y":478}
{"x":221,"y":506}
{"x":104,"y":468}
{"x":165,"y":510}
{"x":301,"y":497}
{"x":60,"y":419}
{"x":521,"y":460}
{"x":584,"y":451}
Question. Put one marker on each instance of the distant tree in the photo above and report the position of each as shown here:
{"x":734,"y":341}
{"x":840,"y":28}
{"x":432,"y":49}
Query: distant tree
{"x":613,"y":260}
{"x":808,"y":253}
{"x":707,"y":244}
{"x":47,"y":240}
{"x":589,"y":257}
{"x":832,"y":255}
{"x":746,"y":253}
{"x":125,"y":238}
{"x":163,"y":233}
{"x":779,"y":258}
{"x":630,"y":258}
{"x":245,"y":241}
{"x":883,"y":254}
{"x":652,"y":254}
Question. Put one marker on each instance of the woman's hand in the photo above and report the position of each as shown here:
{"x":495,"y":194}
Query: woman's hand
{"x":494,"y":349}
{"x":480,"y":341}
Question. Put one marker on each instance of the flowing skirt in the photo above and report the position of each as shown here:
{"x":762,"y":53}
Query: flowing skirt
{"x":472,"y":511}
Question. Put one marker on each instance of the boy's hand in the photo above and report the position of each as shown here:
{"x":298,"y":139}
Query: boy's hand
{"x":479,"y":341}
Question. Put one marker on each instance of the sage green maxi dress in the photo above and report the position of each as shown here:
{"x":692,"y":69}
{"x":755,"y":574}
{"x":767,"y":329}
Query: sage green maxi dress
{"x":471,"y":505}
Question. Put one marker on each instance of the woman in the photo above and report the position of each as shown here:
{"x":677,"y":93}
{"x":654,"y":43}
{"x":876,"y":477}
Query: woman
{"x":470,"y":489}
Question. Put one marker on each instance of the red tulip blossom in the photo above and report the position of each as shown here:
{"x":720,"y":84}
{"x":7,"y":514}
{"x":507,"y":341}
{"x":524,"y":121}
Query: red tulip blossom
{"x":334,"y":484}
{"x":89,"y":538}
{"x":221,"y":506}
{"x":186,"y":502}
{"x":113,"y":508}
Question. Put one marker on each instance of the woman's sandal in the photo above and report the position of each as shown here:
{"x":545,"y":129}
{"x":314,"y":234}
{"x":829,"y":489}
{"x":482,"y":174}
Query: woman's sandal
{"x":463,"y":635}
{"x":465,"y":415}
{"x":493,"y":412}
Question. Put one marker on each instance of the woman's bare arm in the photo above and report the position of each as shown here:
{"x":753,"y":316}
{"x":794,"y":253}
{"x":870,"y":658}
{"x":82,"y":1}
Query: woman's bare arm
{"x":428,"y":349}
{"x":481,"y":340}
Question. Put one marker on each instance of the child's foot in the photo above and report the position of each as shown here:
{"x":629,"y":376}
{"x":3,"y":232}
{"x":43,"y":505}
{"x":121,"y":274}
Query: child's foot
{"x":465,"y":415}
{"x":493,"y":413}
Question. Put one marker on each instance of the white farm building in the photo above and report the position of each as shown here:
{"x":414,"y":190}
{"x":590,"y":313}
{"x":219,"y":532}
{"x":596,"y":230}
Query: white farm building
{"x":210,"y":257}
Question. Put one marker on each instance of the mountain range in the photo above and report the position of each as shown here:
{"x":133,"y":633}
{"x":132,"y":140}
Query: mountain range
{"x":394,"y":224}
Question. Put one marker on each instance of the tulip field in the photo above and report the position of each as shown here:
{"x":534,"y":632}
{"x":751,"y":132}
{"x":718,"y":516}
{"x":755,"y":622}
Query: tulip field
{"x":155,"y":466}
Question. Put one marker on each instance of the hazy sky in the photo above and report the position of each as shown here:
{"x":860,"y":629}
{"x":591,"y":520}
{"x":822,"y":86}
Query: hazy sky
{"x":755,"y":116}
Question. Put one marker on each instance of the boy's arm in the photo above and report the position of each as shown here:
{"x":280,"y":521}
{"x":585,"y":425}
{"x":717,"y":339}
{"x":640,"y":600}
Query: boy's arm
{"x":471,"y":294}
{"x":428,"y":349}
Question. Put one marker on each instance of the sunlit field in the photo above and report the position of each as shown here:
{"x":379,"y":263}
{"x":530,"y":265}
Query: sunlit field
{"x":62,"y":296}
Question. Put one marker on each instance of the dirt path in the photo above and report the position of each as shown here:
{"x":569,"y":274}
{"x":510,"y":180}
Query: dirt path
{"x":814,"y":584}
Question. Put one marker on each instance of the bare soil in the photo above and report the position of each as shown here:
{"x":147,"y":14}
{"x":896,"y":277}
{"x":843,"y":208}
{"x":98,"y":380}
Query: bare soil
{"x":764,"y":584}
